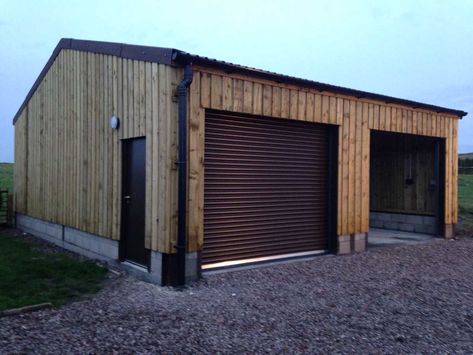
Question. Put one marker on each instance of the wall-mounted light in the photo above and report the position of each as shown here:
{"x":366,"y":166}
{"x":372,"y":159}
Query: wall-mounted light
{"x":114,"y":122}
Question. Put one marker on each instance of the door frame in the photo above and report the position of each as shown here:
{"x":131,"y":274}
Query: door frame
{"x":124,"y":179}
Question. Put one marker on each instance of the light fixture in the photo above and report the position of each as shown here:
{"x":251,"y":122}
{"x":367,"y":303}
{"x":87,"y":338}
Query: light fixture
{"x":114,"y":122}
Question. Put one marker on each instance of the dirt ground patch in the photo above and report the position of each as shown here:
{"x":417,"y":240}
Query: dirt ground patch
{"x":401,"y":299}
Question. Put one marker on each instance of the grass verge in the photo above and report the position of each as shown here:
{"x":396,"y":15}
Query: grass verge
{"x":29,"y":276}
{"x":6,"y":176}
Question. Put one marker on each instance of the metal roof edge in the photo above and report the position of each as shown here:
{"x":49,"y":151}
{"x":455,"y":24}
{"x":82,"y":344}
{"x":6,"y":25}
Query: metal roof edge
{"x":183,"y":57}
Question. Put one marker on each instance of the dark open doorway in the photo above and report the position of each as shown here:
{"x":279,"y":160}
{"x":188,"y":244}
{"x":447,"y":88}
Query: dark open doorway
{"x":406,"y":183}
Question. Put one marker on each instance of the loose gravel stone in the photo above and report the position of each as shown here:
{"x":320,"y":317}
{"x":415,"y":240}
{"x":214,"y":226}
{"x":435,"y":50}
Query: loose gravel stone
{"x":405,"y":299}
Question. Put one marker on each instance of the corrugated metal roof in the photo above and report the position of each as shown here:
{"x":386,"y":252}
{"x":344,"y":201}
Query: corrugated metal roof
{"x":174,"y":56}
{"x":180,"y":56}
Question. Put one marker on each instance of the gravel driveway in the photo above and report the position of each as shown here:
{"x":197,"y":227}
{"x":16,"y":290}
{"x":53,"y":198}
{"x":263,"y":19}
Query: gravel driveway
{"x":390,"y":300}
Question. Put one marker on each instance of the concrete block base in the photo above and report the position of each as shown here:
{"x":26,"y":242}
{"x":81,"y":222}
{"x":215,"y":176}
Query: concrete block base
{"x":449,"y":231}
{"x":360,"y":241}
{"x":50,"y":232}
{"x":344,"y":244}
{"x":90,"y":245}
{"x":353,"y":243}
{"x":86,"y":244}
{"x":403,"y":222}
{"x":193,"y":272}
{"x":99,"y":248}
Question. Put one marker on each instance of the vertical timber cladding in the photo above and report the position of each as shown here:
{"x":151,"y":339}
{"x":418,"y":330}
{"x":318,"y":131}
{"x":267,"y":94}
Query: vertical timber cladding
{"x":355,"y":117}
{"x":69,"y":159}
{"x":266,"y":187}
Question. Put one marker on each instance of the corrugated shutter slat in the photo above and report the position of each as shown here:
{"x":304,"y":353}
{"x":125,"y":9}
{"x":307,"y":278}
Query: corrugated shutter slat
{"x":266,"y":187}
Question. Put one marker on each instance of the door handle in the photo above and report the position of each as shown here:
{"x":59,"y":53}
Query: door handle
{"x":128,"y":197}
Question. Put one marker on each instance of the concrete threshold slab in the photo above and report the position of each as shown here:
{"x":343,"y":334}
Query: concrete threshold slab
{"x":384,"y":237}
{"x":279,"y":260}
{"x":135,"y":266}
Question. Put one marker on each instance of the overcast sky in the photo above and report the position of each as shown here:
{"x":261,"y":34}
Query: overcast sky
{"x":418,"y":50}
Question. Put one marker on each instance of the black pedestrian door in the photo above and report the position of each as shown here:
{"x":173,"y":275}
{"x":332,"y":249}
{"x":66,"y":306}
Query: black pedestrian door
{"x":132,"y":241}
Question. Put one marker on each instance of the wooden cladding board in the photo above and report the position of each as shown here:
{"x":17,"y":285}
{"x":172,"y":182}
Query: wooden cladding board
{"x":213,"y":89}
{"x":68,"y":159}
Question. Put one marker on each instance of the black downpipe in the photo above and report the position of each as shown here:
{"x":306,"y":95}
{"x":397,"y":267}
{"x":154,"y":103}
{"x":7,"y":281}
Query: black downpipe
{"x":440,"y":181}
{"x":182,"y":183}
{"x":332,"y":187}
{"x":437,"y":185}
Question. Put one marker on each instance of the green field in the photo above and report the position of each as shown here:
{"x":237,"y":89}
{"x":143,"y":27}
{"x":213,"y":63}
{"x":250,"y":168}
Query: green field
{"x":6,"y":176}
{"x":30,"y":276}
{"x":465,"y":203}
{"x":465,"y":192}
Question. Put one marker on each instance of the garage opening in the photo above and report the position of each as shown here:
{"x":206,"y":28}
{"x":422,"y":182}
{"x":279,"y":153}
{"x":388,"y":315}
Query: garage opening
{"x":406,"y":183}
{"x":269,"y":189}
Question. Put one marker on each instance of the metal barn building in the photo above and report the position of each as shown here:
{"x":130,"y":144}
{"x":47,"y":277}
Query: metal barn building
{"x":169,"y":163}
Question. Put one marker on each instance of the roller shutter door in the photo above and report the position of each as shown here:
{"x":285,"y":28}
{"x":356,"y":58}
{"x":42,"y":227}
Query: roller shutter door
{"x":266,"y":187}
